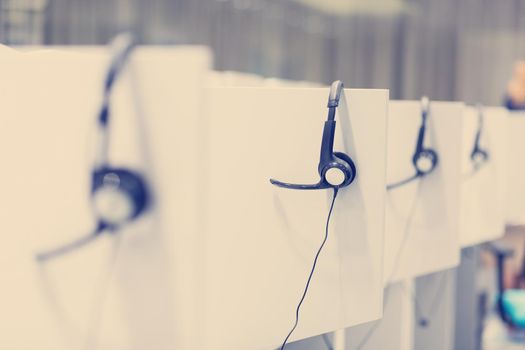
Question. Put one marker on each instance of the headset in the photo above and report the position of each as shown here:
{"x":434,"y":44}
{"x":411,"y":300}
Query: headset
{"x":424,"y":159}
{"x":336,"y":169}
{"x":479,"y":155}
{"x":118,"y":195}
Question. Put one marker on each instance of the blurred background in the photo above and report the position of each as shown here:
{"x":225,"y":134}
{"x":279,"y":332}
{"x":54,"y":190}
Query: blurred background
{"x":448,"y":49}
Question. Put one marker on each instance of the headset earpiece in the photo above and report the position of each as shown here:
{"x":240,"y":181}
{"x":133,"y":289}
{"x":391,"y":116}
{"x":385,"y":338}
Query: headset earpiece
{"x":425,"y":160}
{"x":479,"y":155}
{"x":336,"y":169}
{"x":348,"y":166}
{"x":118,"y":195}
{"x":423,"y":322}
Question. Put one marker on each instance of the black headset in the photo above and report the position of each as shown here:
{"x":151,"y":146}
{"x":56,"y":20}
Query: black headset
{"x":479,"y":155}
{"x":336,"y":169}
{"x":118,"y":195}
{"x":424,"y":159}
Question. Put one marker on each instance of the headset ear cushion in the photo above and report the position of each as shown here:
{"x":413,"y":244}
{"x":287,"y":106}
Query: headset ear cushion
{"x":130,"y":183}
{"x":350,"y":164}
{"x":483,"y":155}
{"x":428,"y":154}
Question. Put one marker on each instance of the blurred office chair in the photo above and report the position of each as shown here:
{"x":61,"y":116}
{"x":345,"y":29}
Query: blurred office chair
{"x":510,"y":303}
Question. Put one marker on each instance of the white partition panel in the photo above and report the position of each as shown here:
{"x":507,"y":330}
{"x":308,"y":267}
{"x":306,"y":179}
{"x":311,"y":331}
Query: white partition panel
{"x":435,"y":294}
{"x":262,"y":239}
{"x":395,"y":330}
{"x":515,"y":169}
{"x":422,"y":217}
{"x":483,"y":186}
{"x":130,"y":290}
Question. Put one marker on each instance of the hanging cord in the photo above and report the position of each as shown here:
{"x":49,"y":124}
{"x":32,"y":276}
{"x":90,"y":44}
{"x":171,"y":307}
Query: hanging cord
{"x":311,"y":273}
{"x":436,"y":301}
{"x":420,"y":315}
{"x":397,"y":260}
{"x":327,"y":342}
{"x":373,"y":329}
{"x":100,"y":296}
{"x":407,"y":232}
{"x":421,"y":319}
{"x":418,"y":310}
